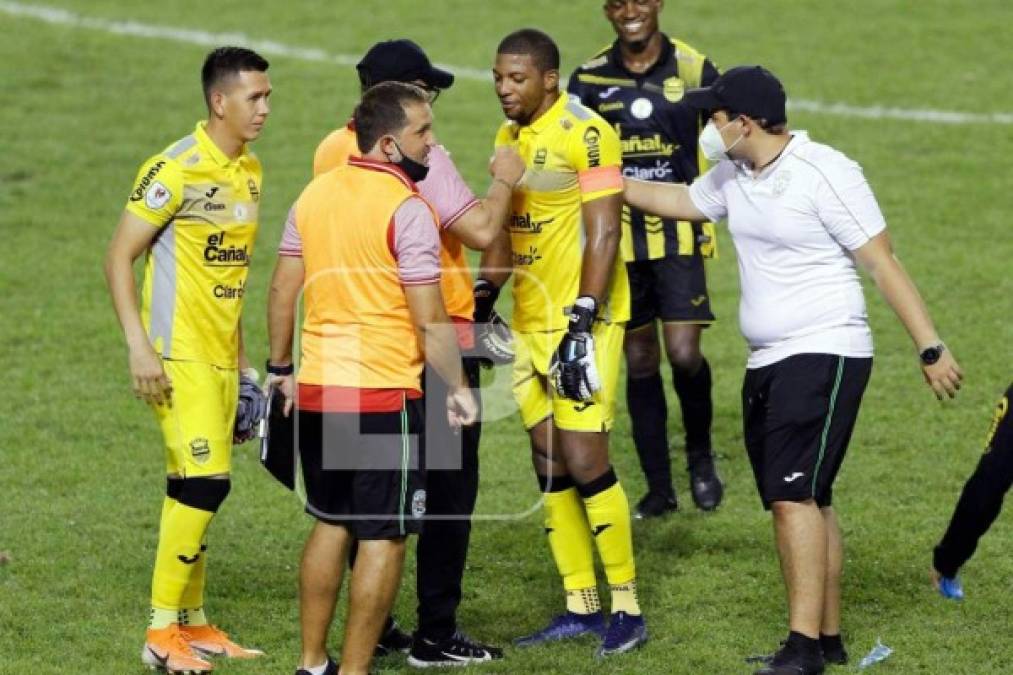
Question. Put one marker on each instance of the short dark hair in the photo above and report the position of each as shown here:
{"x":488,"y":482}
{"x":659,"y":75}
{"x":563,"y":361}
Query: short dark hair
{"x":382,"y":111}
{"x":775,"y":129}
{"x":226,"y":62}
{"x":535,"y":43}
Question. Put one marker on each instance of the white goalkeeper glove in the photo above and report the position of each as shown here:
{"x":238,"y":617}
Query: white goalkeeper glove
{"x":494,"y":342}
{"x":573,"y":370}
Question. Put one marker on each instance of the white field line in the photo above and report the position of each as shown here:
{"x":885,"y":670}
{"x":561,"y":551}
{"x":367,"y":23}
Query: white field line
{"x":63,"y":17}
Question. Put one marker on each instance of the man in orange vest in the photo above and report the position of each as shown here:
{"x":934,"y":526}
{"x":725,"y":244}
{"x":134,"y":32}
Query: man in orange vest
{"x":452,"y":461}
{"x":363,"y":248}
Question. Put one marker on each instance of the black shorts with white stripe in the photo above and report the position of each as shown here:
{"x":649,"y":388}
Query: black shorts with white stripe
{"x":797,"y":416}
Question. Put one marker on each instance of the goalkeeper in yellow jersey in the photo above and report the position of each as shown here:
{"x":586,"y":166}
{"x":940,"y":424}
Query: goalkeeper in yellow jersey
{"x":193,"y":213}
{"x":571,"y":303}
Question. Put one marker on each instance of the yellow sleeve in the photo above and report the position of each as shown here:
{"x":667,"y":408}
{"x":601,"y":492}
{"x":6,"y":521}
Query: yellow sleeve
{"x":597,"y":157}
{"x":158,"y":191}
{"x":506,"y":134}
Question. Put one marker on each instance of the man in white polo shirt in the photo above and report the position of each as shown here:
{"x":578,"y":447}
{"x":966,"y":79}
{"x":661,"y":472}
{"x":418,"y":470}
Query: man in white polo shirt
{"x":800,"y":214}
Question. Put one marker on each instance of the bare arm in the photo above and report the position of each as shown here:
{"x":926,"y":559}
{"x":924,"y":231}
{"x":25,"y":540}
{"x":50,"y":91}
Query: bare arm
{"x":668,"y":200}
{"x":479,"y":226}
{"x":132,"y":237}
{"x":602,"y":227}
{"x":438,"y":340}
{"x":286,"y":284}
{"x":877,"y":258}
{"x":496,"y":265}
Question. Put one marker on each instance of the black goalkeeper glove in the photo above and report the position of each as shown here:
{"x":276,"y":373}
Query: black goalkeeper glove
{"x":251,"y":408}
{"x":573,"y":371}
{"x":494,"y":343}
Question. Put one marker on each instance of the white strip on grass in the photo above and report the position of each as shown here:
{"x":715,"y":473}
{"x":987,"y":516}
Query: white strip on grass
{"x":63,"y":17}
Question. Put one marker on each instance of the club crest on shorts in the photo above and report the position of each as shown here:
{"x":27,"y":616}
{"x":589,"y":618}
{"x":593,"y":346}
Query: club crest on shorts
{"x":419,"y":504}
{"x":200,"y":450}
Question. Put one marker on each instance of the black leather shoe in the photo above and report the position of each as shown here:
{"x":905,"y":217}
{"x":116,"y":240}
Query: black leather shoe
{"x":704,"y":482}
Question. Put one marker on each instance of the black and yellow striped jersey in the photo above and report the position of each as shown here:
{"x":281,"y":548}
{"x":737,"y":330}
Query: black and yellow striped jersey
{"x":658,"y":133}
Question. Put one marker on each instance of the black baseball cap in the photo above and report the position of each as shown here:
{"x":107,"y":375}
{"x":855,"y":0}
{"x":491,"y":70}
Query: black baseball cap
{"x":400,"y":61}
{"x":748,"y":90}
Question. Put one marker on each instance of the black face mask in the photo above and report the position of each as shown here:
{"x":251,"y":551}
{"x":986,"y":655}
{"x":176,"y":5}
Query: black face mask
{"x":416,"y":171}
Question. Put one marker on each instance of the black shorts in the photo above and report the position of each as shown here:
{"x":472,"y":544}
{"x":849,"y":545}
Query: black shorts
{"x":797,"y":416}
{"x":673,"y":288}
{"x":363,"y":470}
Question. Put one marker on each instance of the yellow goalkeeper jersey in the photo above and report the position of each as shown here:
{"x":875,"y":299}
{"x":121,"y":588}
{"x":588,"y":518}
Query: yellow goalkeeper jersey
{"x":573,"y":156}
{"x":205,"y":207}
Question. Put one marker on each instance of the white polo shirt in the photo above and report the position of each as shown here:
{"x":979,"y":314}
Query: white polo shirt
{"x":794,"y":226}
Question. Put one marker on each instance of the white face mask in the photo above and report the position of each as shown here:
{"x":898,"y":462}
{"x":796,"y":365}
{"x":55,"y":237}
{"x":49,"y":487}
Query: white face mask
{"x":713,"y":145}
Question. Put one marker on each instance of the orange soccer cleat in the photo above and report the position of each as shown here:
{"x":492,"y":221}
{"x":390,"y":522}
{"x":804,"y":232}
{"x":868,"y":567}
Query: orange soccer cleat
{"x":167,"y":649}
{"x":208,"y":640}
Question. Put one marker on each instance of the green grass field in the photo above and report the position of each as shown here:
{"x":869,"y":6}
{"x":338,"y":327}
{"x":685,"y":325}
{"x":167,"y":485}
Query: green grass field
{"x":81,"y":461}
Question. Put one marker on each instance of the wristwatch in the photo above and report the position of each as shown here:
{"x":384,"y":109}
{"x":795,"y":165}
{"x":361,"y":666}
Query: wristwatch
{"x":930,"y":355}
{"x":279,"y":370}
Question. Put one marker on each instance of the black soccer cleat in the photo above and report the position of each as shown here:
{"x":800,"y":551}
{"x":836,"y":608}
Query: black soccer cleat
{"x":457,"y":650}
{"x":790,"y":661}
{"x":704,"y":482}
{"x":393,"y":640}
{"x":655,"y":504}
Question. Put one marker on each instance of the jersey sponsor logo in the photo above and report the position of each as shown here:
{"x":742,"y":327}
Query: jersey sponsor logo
{"x":419,"y":504}
{"x":145,"y":182}
{"x":200,"y":450}
{"x":212,"y":206}
{"x":609,"y":107}
{"x":652,"y":145}
{"x":217,"y":254}
{"x":592,"y":140}
{"x":254,"y":190}
{"x":673,"y":89}
{"x":157,"y":196}
{"x":525,"y":259}
{"x":661,"y":170}
{"x":608,"y":92}
{"x":641,"y":108}
{"x":226,"y":292}
{"x":526,"y":224}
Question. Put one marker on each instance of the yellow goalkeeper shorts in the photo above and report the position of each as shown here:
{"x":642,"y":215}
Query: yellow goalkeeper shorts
{"x":197,"y":425}
{"x":537,"y":398}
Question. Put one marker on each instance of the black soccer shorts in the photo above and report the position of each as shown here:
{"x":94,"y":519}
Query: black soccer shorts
{"x":798,"y":415}
{"x":365,"y":470}
{"x":673,"y":288}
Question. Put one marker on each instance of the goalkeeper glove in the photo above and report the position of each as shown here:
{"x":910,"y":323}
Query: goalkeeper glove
{"x":573,"y":370}
{"x":251,"y":408}
{"x":494,"y":343}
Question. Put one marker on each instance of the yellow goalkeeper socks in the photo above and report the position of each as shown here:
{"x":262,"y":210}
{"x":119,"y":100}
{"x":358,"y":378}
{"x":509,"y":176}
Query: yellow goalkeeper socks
{"x":569,"y":537}
{"x":583,"y":600}
{"x":192,"y":602}
{"x":179,"y":551}
{"x":608,"y":514}
{"x":624,"y":597}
